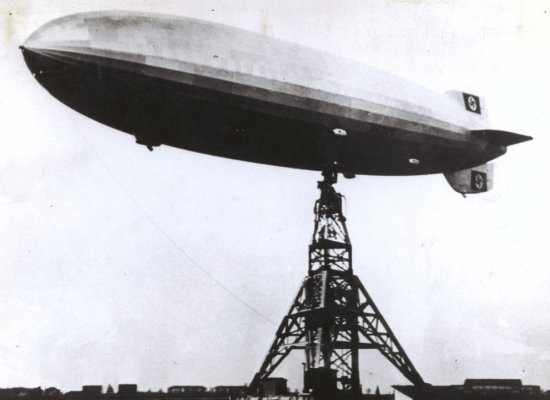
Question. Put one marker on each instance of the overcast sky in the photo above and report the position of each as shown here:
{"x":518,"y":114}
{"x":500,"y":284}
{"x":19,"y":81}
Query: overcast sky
{"x":118,"y":265}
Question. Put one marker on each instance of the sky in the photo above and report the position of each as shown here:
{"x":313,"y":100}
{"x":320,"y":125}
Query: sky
{"x":118,"y":265}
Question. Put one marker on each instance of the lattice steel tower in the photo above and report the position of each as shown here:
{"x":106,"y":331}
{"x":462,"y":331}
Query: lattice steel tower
{"x":333,"y":316}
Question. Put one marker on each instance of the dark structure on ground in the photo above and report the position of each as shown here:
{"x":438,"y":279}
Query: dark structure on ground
{"x":478,"y":389}
{"x":377,"y":396}
{"x":333,"y":316}
{"x":126,"y":392}
{"x":274,"y":388}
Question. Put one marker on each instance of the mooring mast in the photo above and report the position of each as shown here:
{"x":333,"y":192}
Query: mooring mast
{"x":333,"y":316}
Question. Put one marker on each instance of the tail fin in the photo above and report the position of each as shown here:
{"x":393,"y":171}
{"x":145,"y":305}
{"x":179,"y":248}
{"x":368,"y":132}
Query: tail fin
{"x":501,"y":137}
{"x":477,"y":109}
{"x":471,"y":180}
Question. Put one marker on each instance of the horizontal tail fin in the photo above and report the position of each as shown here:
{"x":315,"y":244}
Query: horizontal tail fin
{"x":501,"y":137}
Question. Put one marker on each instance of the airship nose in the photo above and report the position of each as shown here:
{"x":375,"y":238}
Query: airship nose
{"x":47,"y":52}
{"x":60,"y":34}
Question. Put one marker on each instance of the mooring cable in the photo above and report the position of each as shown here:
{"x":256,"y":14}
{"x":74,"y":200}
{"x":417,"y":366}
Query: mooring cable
{"x":176,"y":244}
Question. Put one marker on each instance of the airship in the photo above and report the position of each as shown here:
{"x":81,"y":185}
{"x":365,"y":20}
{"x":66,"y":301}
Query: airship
{"x":229,"y":92}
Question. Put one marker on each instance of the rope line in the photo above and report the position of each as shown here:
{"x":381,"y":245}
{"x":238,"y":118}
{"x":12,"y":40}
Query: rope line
{"x":175,"y":244}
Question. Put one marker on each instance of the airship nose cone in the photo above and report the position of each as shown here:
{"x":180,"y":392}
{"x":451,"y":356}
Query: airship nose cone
{"x":101,"y":32}
{"x":60,"y":33}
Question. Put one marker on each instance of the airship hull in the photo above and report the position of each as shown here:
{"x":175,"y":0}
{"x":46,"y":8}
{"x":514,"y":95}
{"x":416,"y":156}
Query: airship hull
{"x":220,"y":113}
